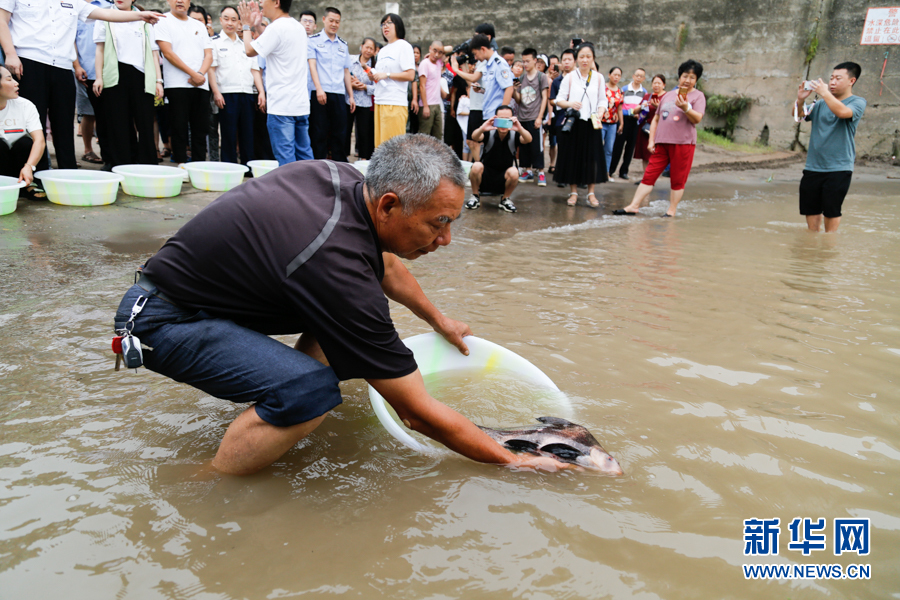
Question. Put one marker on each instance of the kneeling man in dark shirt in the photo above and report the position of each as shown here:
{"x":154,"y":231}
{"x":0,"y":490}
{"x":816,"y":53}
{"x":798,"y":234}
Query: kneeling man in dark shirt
{"x":309,"y":248}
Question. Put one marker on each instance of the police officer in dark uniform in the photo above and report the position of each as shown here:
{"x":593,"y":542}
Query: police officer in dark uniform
{"x":329,"y":68}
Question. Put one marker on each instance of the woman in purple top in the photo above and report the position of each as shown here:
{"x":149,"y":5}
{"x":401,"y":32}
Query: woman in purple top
{"x":673,"y":138}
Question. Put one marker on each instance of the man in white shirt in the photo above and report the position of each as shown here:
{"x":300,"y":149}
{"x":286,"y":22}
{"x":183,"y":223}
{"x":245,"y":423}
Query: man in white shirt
{"x":329,"y":67}
{"x":38,"y":39}
{"x":627,"y":138}
{"x":232,"y":79}
{"x":284,"y":46}
{"x":187,"y":50}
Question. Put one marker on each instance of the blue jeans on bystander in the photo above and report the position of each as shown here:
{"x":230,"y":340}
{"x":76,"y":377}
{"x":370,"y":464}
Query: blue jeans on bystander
{"x":290,"y":138}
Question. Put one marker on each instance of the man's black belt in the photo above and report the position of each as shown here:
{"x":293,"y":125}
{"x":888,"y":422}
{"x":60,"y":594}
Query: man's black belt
{"x":146,"y":283}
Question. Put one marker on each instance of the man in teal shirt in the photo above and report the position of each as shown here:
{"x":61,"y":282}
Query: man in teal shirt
{"x":832,"y":149}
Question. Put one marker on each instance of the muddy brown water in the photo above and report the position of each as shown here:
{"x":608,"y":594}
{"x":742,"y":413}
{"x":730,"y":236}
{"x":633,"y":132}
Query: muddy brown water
{"x":736,"y":365}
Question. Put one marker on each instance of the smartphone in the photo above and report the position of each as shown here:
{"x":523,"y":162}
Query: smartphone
{"x":810,"y":85}
{"x":682,"y":92}
{"x":501,"y":123}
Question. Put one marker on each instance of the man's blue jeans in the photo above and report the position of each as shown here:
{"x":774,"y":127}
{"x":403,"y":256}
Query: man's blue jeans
{"x":609,"y":140}
{"x":290,"y":138}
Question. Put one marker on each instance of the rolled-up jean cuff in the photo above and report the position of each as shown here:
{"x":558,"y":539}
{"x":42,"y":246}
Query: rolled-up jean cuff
{"x":231,"y":362}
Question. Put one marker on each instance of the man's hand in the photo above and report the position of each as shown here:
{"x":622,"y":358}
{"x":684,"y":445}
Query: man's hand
{"x":80,"y":74}
{"x":488,"y":125}
{"x":426,"y":112}
{"x":544,"y":463}
{"x":27,"y":175}
{"x":414,"y":106}
{"x":249,"y":13}
{"x":516,"y":125}
{"x":261,"y":102}
{"x":454,"y":332}
{"x":803,"y":93}
{"x":619,"y":130}
{"x":219,"y":99}
{"x":197,"y":79}
{"x":322,"y":97}
{"x":15,"y":66}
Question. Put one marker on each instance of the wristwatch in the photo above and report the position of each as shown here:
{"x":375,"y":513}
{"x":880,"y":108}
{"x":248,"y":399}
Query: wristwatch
{"x":245,"y":27}
{"x":31,"y":166}
{"x":159,"y":81}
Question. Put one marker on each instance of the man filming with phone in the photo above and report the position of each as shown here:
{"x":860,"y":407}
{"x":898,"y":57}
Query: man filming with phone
{"x":832,"y":147}
{"x":497,"y":172}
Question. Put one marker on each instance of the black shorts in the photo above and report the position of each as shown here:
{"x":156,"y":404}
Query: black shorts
{"x":476,"y":120}
{"x":823,"y":192}
{"x":493,"y":181}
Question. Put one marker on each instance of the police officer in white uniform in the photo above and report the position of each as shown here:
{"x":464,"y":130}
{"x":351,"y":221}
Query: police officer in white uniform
{"x":233,"y":76}
{"x":38,"y":39}
{"x":329,"y":68}
{"x":494,"y":75}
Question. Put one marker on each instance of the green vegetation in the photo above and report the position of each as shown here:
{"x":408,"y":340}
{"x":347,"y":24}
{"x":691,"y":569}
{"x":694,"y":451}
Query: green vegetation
{"x":812,"y":46}
{"x":727,"y":107}
{"x":682,"y":37}
{"x":710,"y":138}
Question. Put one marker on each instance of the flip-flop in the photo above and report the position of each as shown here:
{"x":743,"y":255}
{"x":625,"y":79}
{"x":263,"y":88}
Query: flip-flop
{"x":622,"y":211}
{"x":667,"y":215}
{"x":33,"y":192}
{"x":92,"y":158}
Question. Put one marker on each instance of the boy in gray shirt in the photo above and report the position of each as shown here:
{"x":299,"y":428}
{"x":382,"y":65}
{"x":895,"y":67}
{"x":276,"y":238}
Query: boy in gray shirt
{"x":832,"y":150}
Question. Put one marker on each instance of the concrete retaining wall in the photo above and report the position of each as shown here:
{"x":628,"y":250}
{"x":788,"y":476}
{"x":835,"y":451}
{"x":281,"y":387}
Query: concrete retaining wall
{"x":753,"y":47}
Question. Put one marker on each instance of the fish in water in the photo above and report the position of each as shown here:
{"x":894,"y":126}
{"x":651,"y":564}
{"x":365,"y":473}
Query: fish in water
{"x":561,"y":439}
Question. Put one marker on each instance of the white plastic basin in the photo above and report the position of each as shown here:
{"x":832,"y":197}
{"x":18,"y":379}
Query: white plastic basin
{"x":215,"y":176}
{"x":9,"y":193}
{"x":362,"y":166}
{"x":435,"y":355}
{"x":151,"y":181}
{"x":467,"y":166}
{"x":261,"y":167}
{"x":74,"y":187}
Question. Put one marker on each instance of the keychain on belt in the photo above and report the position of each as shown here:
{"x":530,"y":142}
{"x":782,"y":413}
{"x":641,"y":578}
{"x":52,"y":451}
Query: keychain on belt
{"x":126,"y":345}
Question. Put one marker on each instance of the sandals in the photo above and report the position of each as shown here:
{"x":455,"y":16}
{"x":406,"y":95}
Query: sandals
{"x":32,"y":192}
{"x":573,"y":199}
{"x":592,"y":203}
{"x":90,"y":157}
{"x":622,"y":211}
{"x":551,"y":170}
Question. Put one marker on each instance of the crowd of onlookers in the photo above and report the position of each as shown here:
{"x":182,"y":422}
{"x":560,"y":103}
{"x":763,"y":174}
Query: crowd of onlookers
{"x":155,"y":86}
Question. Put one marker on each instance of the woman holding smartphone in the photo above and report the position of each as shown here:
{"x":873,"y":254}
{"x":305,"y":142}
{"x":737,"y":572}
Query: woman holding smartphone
{"x":581,"y":160}
{"x":672,"y":139}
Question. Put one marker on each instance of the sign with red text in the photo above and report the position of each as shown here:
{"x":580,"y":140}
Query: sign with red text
{"x":882,"y":27}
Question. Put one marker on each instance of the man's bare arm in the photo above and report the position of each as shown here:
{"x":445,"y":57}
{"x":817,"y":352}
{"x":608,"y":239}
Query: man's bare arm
{"x":400,"y":286}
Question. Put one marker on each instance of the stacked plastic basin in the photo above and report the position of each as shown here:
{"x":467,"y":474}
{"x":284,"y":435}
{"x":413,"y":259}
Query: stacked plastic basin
{"x":215,"y":176}
{"x":72,"y":187}
{"x":151,"y":181}
{"x":9,"y":194}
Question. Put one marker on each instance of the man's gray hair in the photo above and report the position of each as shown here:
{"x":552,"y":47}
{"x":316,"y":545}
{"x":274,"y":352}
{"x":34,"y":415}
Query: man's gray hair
{"x":412,"y":166}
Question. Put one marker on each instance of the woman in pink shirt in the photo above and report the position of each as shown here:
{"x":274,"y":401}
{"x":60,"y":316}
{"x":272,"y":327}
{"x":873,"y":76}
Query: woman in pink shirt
{"x":673,"y":138}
